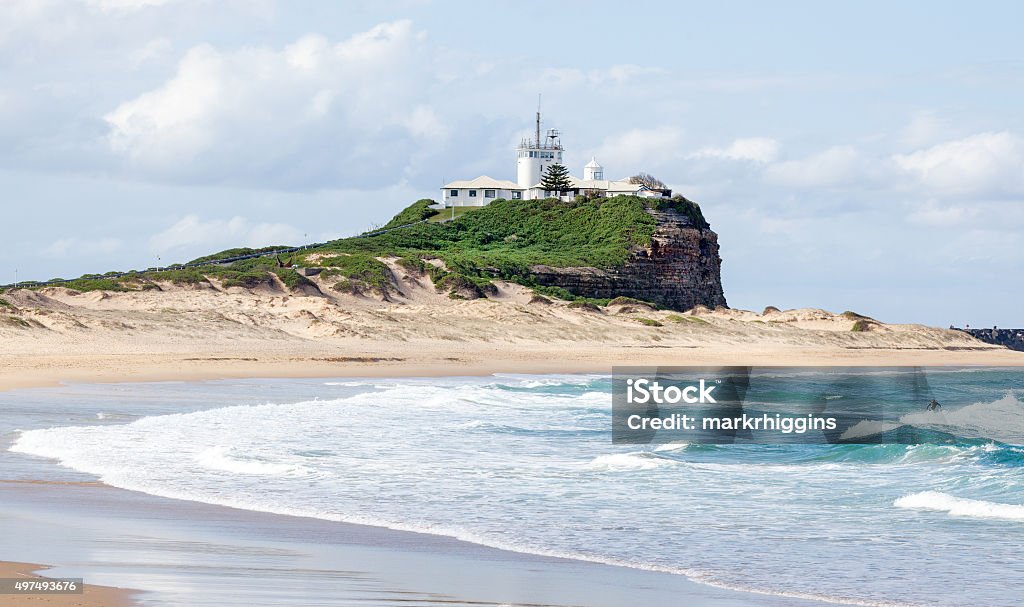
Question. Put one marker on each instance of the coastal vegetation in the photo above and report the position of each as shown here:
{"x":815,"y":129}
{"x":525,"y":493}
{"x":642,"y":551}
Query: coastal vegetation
{"x":499,"y":241}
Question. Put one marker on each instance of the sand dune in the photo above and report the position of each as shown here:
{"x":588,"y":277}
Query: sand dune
{"x":191,"y":332}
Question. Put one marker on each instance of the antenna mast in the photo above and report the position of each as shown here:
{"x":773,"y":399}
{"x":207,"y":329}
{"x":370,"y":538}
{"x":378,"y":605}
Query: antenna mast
{"x":538,"y":121}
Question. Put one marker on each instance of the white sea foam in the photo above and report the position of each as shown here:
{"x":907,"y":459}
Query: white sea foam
{"x":1001,"y":420}
{"x":222,"y":458}
{"x":623,"y":462}
{"x":959,"y":506}
{"x":671,"y":447}
{"x":475,"y":461}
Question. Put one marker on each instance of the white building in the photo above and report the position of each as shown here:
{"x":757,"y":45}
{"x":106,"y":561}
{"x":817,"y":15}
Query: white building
{"x":533,"y":157}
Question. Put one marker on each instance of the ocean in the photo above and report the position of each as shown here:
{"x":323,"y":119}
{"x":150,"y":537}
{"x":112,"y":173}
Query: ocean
{"x":526,"y":463}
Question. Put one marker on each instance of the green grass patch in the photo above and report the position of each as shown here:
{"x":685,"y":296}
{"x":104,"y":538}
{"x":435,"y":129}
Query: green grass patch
{"x":501,"y":240}
{"x":84,"y":285}
{"x":417,"y":211}
{"x":452,"y":213}
{"x":689,"y":319}
{"x":506,"y":237}
{"x":466,"y":287}
{"x":239,"y":252}
{"x":5,"y":304}
{"x":17,"y":322}
{"x":248,"y":280}
{"x":363,"y":268}
{"x":650,"y":322}
{"x":629,"y":301}
{"x":292,"y":279}
{"x":585,"y":306}
{"x":685,"y":207}
{"x":861,"y":326}
{"x":854,"y":316}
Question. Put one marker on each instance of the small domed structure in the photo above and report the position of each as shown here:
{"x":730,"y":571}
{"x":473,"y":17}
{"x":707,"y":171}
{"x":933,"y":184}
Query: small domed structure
{"x":593,"y":170}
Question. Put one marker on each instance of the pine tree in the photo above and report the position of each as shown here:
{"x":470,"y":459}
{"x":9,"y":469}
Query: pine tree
{"x":556,"y":179}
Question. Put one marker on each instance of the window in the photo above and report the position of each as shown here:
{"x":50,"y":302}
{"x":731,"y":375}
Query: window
{"x":488,"y":193}
{"x":472,"y":193}
{"x":517,"y":195}
{"x":453,"y":193}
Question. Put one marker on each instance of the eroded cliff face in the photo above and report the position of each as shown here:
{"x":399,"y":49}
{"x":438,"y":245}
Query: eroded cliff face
{"x":681,"y":269}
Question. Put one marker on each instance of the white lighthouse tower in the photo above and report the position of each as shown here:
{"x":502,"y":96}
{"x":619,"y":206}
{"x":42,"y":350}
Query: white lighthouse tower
{"x":592,"y":170}
{"x":536,"y":155}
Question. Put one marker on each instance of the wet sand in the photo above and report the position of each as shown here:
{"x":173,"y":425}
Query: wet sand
{"x":185,"y":553}
{"x":91,"y":596}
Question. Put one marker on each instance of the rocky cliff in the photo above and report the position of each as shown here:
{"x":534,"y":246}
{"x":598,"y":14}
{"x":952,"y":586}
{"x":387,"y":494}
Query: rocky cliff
{"x":679,"y":270}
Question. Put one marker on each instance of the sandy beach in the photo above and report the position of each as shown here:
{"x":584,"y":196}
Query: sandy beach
{"x":92,"y":596}
{"x":56,"y":337}
{"x":180,"y":333}
{"x":189,"y":553}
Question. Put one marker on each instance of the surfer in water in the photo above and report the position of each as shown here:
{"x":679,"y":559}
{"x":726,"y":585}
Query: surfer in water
{"x":933,"y":405}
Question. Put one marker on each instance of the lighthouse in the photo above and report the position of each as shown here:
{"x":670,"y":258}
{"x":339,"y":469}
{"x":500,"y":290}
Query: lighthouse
{"x":534,"y":156}
{"x":593,"y":170}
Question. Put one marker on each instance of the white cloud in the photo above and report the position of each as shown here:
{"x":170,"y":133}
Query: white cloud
{"x":987,"y":164}
{"x":840,"y":165}
{"x":314,"y":112}
{"x":642,"y":149}
{"x":925,"y":128}
{"x":76,"y":247}
{"x":124,"y":5}
{"x":757,"y":149}
{"x":193,"y":233}
{"x":613,"y":75}
{"x":150,"y":51}
{"x":932,"y":214}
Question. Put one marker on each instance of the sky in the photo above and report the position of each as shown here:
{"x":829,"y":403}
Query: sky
{"x":860,"y":156}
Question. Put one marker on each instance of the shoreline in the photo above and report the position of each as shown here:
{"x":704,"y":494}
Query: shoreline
{"x":405,"y":565}
{"x":52,"y":494}
{"x":92,"y":595}
{"x":37,"y":371}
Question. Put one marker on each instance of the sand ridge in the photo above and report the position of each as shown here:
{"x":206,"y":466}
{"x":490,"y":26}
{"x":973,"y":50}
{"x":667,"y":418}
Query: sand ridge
{"x":206,"y":331}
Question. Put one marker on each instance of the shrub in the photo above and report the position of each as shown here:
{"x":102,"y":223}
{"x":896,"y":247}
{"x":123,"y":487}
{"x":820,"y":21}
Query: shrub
{"x":465,"y":286}
{"x":187,"y":276}
{"x":248,"y":280}
{"x":239,"y":252}
{"x":854,"y":316}
{"x":691,"y":319}
{"x":363,"y":268}
{"x":414,"y":265}
{"x":417,"y":211}
{"x":585,"y":306}
{"x":685,"y":207}
{"x":861,"y":326}
{"x":292,"y":279}
{"x":629,"y":301}
{"x":349,"y":286}
{"x":540,"y":299}
{"x":650,"y":322}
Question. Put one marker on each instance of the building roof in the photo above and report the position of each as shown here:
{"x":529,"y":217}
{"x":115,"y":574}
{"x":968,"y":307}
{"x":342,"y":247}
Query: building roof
{"x":612,"y":185}
{"x":593,"y":164}
{"x":483,"y":181}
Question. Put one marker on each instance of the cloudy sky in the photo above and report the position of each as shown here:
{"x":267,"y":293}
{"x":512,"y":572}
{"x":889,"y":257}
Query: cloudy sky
{"x":867,"y":157}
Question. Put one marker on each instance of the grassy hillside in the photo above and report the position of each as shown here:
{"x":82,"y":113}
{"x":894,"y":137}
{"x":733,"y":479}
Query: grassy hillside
{"x":501,"y":240}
